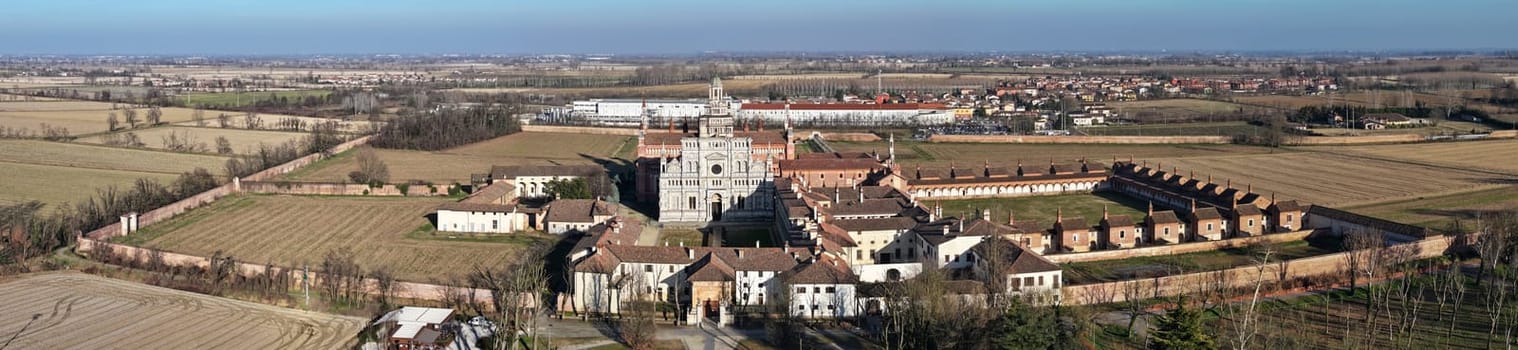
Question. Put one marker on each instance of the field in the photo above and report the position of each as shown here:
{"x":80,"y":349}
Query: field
{"x":1041,"y":209}
{"x":76,"y":311}
{"x":238,"y":99}
{"x":1178,"y":129}
{"x":295,"y":230}
{"x":1176,"y":109}
{"x":1490,"y":155}
{"x":54,"y":185}
{"x":1439,"y":212}
{"x":106,"y":158}
{"x":456,"y":164}
{"x":976,"y":154}
{"x":242,"y":140}
{"x":1331,"y":179}
{"x":86,"y":117}
{"x":55,"y":173}
{"x":1164,"y":265}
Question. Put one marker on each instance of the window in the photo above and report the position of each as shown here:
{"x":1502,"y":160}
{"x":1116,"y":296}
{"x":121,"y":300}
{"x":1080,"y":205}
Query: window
{"x":1075,"y":237}
{"x":648,"y":268}
{"x":495,"y":224}
{"x":745,"y":274}
{"x":800,"y":290}
{"x":1122,"y":234}
{"x":1040,"y":280}
{"x":692,"y":201}
{"x":830,"y":290}
{"x":1209,"y":227}
{"x":830,"y":307}
{"x":816,"y":289}
{"x":801,"y":307}
{"x":1167,"y":232}
{"x":1288,"y":217}
{"x":858,"y":255}
{"x":1251,"y":222}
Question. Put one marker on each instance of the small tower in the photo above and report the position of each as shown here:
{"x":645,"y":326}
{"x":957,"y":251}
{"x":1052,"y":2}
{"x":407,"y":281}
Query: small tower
{"x":891,"y":148}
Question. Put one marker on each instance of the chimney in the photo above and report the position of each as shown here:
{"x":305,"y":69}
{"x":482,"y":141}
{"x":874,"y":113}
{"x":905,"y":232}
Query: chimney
{"x":1229,"y":183}
{"x":1104,"y":212}
{"x":690,"y":253}
{"x":1249,"y":187}
{"x":962,"y":223}
{"x":1151,"y":208}
{"x":1011,"y":220}
{"x":861,"y":193}
{"x":1059,"y":215}
{"x":1193,"y":206}
{"x":937,"y":210}
{"x":835,"y":195}
{"x":682,"y":243}
{"x":739,"y":252}
{"x":946,"y":229}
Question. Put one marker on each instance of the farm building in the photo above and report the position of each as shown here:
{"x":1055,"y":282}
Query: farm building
{"x":415,"y":327}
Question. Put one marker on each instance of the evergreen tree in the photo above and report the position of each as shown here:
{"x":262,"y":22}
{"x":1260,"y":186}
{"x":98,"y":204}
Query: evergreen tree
{"x":1180,"y":329}
{"x":1024,"y":326}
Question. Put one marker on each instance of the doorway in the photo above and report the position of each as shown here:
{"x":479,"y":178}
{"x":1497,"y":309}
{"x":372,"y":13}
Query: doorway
{"x":716,"y":207}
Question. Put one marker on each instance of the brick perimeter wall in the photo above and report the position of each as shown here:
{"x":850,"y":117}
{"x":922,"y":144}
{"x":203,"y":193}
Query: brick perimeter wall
{"x":1173,"y":249}
{"x":1239,"y":277}
{"x":581,"y":130}
{"x":1082,"y":139}
{"x":336,"y":189}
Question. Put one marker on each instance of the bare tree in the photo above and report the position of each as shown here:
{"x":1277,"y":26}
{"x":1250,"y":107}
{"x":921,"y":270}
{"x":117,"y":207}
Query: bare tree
{"x":636,"y":328}
{"x":252,"y":121}
{"x":199,"y":116}
{"x":224,"y":120}
{"x":371,"y":169}
{"x":131,"y":117}
{"x":223,"y":146}
{"x":111,"y":121}
{"x":155,"y":115}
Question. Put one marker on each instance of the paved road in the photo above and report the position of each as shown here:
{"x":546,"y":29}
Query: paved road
{"x":707,"y":337}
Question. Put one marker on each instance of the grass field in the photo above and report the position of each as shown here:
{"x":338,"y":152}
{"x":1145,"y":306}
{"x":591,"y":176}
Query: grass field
{"x":1331,"y":179}
{"x":1177,"y":109}
{"x":1164,"y":265}
{"x":1490,"y":155}
{"x":1439,"y":212}
{"x":55,"y":185}
{"x":77,"y":311}
{"x":1179,"y":129}
{"x":294,"y":230}
{"x":239,"y":99}
{"x":242,"y":140}
{"x":87,"y":117}
{"x":1041,"y":209}
{"x":975,"y":154}
{"x":456,"y":164}
{"x":105,"y":158}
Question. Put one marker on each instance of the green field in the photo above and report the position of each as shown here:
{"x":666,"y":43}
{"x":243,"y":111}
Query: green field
{"x":1164,"y":265}
{"x":1041,"y":209}
{"x":1440,"y":212}
{"x":57,"y":172}
{"x":240,"y":99}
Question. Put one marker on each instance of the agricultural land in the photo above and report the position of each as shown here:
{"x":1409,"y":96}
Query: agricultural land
{"x":77,"y":311}
{"x":241,"y":140}
{"x":55,"y":173}
{"x":297,"y":230}
{"x":457,"y":164}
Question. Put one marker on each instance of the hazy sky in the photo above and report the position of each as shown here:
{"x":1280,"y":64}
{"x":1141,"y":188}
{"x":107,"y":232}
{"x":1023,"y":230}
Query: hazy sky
{"x":690,"y":26}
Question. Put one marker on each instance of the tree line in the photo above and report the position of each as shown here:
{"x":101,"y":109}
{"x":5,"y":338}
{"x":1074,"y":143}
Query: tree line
{"x":448,"y":127}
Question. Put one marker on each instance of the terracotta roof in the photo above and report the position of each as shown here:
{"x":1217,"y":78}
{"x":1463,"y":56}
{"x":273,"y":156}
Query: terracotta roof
{"x":1285,"y":206}
{"x":1074,"y":224}
{"x":836,"y":155}
{"x":1118,"y":221}
{"x":929,"y":176}
{"x":759,"y":138}
{"x":579,"y":210}
{"x":1164,"y":217}
{"x":1247,"y":209}
{"x":1019,"y":261}
{"x":868,"y":207}
{"x":481,"y":207}
{"x":826,"y":270}
{"x":491,"y":193}
{"x":513,"y":171}
{"x":789,"y":165}
{"x":711,"y":269}
{"x":1207,"y":214}
{"x":1374,"y":223}
{"x":891,"y":223}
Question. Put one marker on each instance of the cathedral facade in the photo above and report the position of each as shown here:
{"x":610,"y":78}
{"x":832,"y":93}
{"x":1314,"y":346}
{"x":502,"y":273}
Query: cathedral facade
{"x":716,"y":176}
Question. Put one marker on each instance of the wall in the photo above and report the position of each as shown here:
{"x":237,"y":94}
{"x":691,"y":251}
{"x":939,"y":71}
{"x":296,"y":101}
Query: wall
{"x":846,"y":136}
{"x":337,"y":189}
{"x":1240,"y":277}
{"x":582,"y":130}
{"x":1352,"y":140}
{"x":169,"y":211}
{"x":1082,"y":139}
{"x":409,"y":290}
{"x":1176,"y":248}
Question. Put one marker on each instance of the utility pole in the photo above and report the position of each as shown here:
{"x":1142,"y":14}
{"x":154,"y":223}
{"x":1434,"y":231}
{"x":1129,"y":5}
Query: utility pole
{"x":305,"y":284}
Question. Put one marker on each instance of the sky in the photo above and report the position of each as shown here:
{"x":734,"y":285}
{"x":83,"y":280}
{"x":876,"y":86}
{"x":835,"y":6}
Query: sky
{"x":276,"y":27}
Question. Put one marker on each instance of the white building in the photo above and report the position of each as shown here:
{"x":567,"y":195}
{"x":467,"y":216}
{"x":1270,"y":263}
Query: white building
{"x":715,"y":177}
{"x":531,"y":181}
{"x":847,"y":113}
{"x":824,"y":288}
{"x":626,"y":112}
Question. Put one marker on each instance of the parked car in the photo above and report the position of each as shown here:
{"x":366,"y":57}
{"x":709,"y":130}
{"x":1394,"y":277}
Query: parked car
{"x":481,"y":321}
